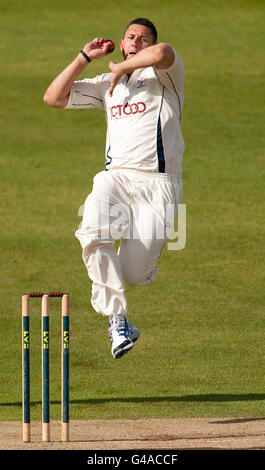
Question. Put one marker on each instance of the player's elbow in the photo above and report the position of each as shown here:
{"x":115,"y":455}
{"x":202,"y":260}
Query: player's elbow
{"x":49,"y":99}
{"x":165,"y":55}
{"x":54,"y":101}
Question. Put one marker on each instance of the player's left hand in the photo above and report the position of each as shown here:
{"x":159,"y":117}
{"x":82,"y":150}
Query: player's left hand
{"x":115,"y":76}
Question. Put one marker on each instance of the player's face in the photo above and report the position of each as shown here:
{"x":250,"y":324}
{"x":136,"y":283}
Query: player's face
{"x":136,"y":38}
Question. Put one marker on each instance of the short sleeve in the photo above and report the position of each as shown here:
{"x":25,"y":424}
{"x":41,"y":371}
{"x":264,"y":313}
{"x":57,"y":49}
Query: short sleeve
{"x":86,"y":93}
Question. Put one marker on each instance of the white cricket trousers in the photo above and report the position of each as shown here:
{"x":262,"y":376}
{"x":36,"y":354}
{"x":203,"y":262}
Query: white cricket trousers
{"x":136,"y":208}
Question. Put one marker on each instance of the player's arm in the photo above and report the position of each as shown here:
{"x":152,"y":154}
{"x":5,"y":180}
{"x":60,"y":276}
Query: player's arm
{"x":159,"y":55}
{"x":57,"y":94}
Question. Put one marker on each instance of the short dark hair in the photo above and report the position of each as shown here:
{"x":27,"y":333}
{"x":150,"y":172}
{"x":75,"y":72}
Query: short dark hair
{"x":147,"y":23}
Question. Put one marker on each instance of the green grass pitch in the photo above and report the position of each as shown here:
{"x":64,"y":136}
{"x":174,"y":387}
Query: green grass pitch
{"x":201,"y":351}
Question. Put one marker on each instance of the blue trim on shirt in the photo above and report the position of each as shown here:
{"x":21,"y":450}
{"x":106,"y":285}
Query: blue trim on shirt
{"x":159,"y":141}
{"x":110,"y":159}
{"x":175,"y":90}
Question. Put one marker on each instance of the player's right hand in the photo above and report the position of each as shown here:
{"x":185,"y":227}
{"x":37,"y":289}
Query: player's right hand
{"x":98,"y":48}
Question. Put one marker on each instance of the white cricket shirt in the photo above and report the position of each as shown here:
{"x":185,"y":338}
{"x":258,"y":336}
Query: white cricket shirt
{"x":143,"y":117}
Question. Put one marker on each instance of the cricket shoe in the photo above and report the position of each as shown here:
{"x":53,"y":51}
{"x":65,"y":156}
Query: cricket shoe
{"x":134,"y":333}
{"x":119,"y":334}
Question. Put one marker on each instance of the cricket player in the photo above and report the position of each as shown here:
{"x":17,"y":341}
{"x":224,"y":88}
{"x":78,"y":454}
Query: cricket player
{"x":142,"y":97}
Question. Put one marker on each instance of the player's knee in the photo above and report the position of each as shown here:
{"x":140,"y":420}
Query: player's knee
{"x":104,"y":184}
{"x":134,"y":278}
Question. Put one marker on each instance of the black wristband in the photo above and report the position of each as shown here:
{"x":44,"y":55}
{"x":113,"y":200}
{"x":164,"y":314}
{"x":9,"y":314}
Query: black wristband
{"x":85,"y":55}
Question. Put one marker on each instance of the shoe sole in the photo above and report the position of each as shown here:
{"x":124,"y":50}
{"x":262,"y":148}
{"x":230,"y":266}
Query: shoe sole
{"x":122,"y":349}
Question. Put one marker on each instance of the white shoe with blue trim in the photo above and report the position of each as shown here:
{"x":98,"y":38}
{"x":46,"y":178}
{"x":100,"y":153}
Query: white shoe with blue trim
{"x":123,"y":335}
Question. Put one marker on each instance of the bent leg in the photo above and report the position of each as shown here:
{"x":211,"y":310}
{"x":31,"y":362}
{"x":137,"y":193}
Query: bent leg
{"x":98,"y":247}
{"x":139,"y":260}
{"x":153,"y":212}
{"x":140,"y":253}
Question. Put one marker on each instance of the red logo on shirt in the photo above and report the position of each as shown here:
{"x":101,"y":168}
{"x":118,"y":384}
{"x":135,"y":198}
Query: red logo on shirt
{"x":122,"y":111}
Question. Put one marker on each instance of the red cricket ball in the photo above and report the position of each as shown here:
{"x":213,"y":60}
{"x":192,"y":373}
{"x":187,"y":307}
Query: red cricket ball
{"x":111,"y":45}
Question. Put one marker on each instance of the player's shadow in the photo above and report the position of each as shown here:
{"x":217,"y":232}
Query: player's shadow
{"x":202,"y":398}
{"x":212,"y":397}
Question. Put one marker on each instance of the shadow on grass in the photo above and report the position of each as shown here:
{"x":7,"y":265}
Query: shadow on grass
{"x":212,"y":397}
